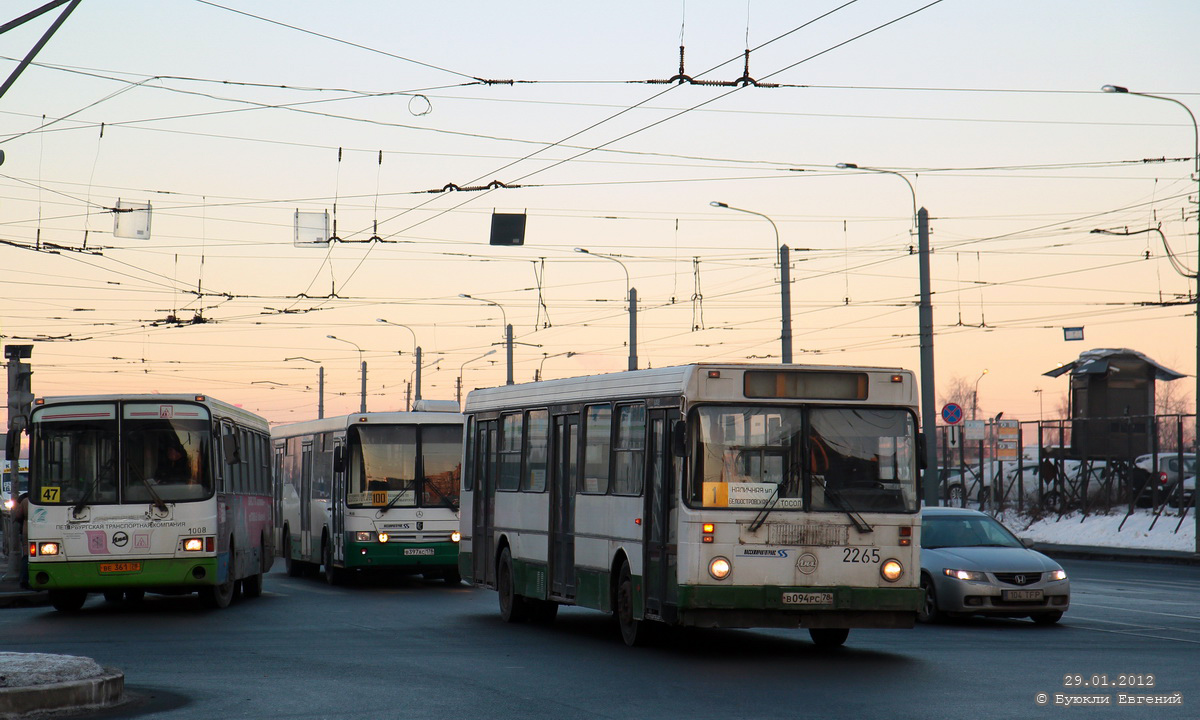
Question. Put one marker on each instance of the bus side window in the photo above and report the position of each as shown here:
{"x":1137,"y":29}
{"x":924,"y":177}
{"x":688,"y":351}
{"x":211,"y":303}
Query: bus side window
{"x":630,"y":450}
{"x":597,"y":446}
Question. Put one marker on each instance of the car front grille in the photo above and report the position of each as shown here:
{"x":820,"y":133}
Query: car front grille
{"x":1019,"y":578}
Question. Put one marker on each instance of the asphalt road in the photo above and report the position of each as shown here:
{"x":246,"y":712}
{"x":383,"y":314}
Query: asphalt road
{"x":411,"y":648}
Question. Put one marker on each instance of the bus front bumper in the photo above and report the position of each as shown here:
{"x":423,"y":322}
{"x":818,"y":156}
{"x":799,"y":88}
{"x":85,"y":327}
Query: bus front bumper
{"x":180,"y":573}
{"x":798,"y":607}
{"x":399,"y":555}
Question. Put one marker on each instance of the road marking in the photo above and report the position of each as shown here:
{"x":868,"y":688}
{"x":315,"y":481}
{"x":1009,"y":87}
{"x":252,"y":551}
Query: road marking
{"x":1129,"y":609}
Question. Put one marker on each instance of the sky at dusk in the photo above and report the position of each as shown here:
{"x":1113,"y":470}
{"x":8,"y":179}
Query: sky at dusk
{"x":412,"y":124}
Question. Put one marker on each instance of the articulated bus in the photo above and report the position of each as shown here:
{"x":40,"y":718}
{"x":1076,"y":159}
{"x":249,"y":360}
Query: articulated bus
{"x":370,"y":491}
{"x":709,"y":495}
{"x":147,"y":493}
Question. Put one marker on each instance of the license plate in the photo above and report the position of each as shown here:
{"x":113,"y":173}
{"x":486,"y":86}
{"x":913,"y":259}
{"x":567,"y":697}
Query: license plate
{"x":1022,"y":595}
{"x":418,"y":551}
{"x":121,"y":567}
{"x":808,"y":598}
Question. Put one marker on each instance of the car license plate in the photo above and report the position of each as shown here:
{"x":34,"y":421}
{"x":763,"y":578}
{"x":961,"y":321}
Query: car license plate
{"x":121,"y":567}
{"x":418,"y":551}
{"x":808,"y":598}
{"x":1021,"y":595}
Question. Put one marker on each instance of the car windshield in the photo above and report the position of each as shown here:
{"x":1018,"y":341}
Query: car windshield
{"x":823,"y":459}
{"x":965,"y":531}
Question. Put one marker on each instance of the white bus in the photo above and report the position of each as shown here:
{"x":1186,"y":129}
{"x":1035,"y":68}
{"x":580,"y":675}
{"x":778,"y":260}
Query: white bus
{"x":137,"y":493}
{"x":370,"y":491}
{"x":708,"y":495}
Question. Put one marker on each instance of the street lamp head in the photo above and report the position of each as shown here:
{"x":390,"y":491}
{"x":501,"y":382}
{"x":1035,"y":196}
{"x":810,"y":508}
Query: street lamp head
{"x":332,"y":337}
{"x":1114,"y":89}
{"x":464,"y":295}
{"x":718,"y":203}
{"x":846,"y":166}
{"x":585,"y":251}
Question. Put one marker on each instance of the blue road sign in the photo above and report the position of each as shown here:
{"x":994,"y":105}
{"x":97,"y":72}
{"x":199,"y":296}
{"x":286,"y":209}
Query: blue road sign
{"x":952,"y":413}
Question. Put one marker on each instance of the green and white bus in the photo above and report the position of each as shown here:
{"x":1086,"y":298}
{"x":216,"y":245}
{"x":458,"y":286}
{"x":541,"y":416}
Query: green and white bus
{"x":370,"y":491}
{"x":709,"y":495}
{"x":137,"y":493}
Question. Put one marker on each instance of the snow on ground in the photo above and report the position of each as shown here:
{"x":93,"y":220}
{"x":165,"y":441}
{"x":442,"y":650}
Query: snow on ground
{"x":1107,"y":531}
{"x":19,"y":670}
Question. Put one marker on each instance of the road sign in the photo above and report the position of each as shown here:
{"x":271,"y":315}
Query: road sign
{"x":952,"y":413}
{"x":974,"y":430}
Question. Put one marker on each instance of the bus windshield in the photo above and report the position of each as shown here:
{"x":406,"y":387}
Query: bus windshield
{"x":165,"y":457}
{"x":383,"y":466}
{"x":821,"y":459}
{"x":75,"y":461}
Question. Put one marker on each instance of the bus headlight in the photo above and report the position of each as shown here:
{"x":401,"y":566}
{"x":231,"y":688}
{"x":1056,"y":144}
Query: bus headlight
{"x":47,"y":548}
{"x":363,"y":536}
{"x":193,"y":544}
{"x":719,"y":568}
{"x":455,"y":536}
{"x":891,"y":570}
{"x":383,"y":537}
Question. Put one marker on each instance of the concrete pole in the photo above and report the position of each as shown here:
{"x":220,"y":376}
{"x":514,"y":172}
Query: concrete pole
{"x":509,"y":343}
{"x":321,"y":392}
{"x":633,"y":359}
{"x":785,"y":298}
{"x":417,"y":384}
{"x":363,"y":402}
{"x":928,"y":396}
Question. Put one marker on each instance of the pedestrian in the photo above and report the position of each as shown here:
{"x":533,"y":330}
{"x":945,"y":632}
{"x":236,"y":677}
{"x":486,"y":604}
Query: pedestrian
{"x":20,"y":517}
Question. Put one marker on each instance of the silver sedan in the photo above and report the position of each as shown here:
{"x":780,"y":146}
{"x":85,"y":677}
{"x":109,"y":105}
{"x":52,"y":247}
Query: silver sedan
{"x":972,"y":565}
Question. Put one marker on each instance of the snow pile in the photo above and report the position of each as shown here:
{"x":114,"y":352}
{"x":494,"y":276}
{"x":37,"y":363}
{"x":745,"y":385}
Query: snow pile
{"x":28,"y":669}
{"x":1106,"y":531}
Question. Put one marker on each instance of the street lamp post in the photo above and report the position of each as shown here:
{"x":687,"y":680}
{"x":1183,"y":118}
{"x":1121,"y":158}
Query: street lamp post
{"x":785,"y":283}
{"x":631,"y":296}
{"x":975,"y":394}
{"x":508,"y":332}
{"x":538,"y":375}
{"x":416,"y":354}
{"x":320,"y":384}
{"x":1196,"y":156}
{"x":417,"y":385}
{"x":363,"y":363}
{"x":925,"y":325}
{"x":458,"y":388}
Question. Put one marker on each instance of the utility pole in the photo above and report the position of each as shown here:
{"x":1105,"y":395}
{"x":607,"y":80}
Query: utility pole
{"x":928,"y":398}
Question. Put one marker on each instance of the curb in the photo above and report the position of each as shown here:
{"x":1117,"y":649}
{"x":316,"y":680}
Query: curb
{"x":89,"y":694}
{"x":23,"y":598}
{"x":1087,"y":552}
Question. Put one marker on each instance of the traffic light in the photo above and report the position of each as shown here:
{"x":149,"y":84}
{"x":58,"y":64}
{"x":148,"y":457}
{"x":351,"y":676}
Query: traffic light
{"x":20,"y":396}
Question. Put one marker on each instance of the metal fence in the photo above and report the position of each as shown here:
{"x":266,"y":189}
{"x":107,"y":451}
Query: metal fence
{"x":1043,"y":467}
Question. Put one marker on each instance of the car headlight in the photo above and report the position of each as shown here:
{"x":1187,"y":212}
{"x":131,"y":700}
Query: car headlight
{"x":719,"y":568}
{"x":193,"y":544}
{"x":47,"y":548}
{"x":363,"y":536}
{"x":455,"y":536}
{"x":1058,"y":575}
{"x":891,"y":570}
{"x":383,"y":537}
{"x":970,"y":575}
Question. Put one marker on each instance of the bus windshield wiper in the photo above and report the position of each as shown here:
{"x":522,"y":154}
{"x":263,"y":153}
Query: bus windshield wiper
{"x":761,"y":517}
{"x":158,"y":501}
{"x":399,"y":494}
{"x":453,"y":505}
{"x":859,"y":523}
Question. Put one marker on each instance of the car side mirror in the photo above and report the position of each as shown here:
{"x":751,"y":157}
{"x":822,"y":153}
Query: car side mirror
{"x":1027,"y":542}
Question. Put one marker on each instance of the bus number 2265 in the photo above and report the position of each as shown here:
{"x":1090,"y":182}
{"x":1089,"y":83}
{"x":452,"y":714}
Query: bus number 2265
{"x":860,"y":555}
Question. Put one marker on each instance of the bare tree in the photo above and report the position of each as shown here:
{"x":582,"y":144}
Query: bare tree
{"x":961,"y":391}
{"x":1172,"y":405}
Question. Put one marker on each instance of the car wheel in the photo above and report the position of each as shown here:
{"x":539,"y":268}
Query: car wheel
{"x":1048,"y":618}
{"x":512,"y":605}
{"x":957,"y":496}
{"x":829,"y":637}
{"x":632,"y":631}
{"x":929,"y":612}
{"x":1051,"y":502}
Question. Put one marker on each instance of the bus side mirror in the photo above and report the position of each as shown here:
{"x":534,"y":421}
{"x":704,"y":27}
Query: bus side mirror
{"x":339,"y":459}
{"x":679,"y":439}
{"x":229,"y":446}
{"x":921,"y":463}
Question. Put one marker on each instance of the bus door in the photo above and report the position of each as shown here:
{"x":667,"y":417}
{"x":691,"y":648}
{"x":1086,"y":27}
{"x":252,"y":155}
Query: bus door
{"x":337,"y":503}
{"x":565,"y":454}
{"x":661,"y":554}
{"x":306,"y":452}
{"x":483,"y":511}
{"x":277,"y":495}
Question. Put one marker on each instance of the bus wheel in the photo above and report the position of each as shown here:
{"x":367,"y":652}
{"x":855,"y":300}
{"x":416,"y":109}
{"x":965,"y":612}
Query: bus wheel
{"x":829,"y":637}
{"x":512,"y":605}
{"x":632,"y":631}
{"x":114,"y":596}
{"x":333,"y":575}
{"x":252,"y":586}
{"x":133,"y":597}
{"x":294,"y":567}
{"x":218,"y":596}
{"x":67,"y":600}
{"x":452,"y":577}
